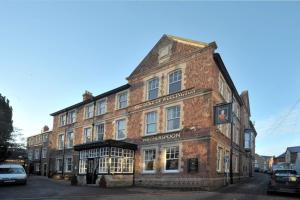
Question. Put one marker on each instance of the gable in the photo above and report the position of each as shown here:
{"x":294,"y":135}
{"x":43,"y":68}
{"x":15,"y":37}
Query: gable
{"x":245,"y":97}
{"x":166,"y":49}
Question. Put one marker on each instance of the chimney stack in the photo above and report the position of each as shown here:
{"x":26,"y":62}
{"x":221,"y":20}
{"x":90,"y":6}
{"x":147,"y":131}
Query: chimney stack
{"x":87,"y":95}
{"x":45,"y":128}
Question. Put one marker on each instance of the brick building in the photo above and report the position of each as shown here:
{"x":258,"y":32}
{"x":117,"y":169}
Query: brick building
{"x":37,"y":150}
{"x":158,"y":129}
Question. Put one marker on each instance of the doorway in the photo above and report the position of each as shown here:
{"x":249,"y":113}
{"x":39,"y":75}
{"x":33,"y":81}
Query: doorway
{"x":91,"y":171}
{"x":45,"y":169}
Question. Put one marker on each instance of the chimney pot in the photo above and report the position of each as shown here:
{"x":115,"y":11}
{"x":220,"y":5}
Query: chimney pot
{"x":45,"y":128}
{"x":87,"y":95}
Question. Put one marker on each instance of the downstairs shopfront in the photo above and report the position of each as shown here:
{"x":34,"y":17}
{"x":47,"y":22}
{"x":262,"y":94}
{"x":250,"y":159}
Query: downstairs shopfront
{"x":110,"y":160}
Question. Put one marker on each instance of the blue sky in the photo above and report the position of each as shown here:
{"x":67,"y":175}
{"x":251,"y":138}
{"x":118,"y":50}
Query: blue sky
{"x":50,"y":52}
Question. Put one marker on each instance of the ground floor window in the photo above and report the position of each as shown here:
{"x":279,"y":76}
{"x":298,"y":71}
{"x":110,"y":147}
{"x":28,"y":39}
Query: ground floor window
{"x":103,"y":164}
{"x":82,"y":166}
{"x":219,"y":159}
{"x":172,"y":159}
{"x":68,"y":164}
{"x":149,"y":160}
{"x":37,"y":167}
{"x":236,"y":163}
{"x":108,"y":159}
{"x":59,"y":164}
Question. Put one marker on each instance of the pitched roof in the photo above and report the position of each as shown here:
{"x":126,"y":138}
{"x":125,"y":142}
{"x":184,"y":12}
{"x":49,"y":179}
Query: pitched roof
{"x":295,"y":149}
{"x":105,"y":94}
{"x":227,"y":77}
{"x":281,"y":155}
{"x":197,"y":44}
{"x":187,"y":41}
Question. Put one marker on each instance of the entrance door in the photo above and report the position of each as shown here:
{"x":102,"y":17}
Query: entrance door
{"x":45,"y":170}
{"x":91,"y":171}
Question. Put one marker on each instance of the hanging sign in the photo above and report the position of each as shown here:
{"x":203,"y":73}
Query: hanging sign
{"x":223,"y":113}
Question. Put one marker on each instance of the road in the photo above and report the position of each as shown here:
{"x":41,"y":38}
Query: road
{"x":43,"y":188}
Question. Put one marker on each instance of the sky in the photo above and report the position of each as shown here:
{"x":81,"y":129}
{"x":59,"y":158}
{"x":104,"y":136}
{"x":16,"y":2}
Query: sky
{"x":52,"y":51}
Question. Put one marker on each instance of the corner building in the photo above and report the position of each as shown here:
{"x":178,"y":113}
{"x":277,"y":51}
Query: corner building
{"x":158,"y":130}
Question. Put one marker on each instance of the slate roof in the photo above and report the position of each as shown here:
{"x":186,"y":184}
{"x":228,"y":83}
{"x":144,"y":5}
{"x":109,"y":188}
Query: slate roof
{"x":281,"y":156}
{"x":294,"y":149}
{"x":105,"y":94}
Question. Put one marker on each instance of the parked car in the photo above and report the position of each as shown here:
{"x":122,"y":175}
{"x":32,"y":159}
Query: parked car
{"x":12,"y":174}
{"x":285,"y":180}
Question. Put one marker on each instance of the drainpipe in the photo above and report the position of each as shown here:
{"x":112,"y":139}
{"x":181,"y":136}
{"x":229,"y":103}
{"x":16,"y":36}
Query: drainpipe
{"x":231,"y":141}
{"x":63,"y":158}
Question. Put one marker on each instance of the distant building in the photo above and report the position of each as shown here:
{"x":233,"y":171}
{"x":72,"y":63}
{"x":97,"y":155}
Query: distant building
{"x":292,"y":156}
{"x":38,"y":152}
{"x":279,"y":159}
{"x":263,"y":163}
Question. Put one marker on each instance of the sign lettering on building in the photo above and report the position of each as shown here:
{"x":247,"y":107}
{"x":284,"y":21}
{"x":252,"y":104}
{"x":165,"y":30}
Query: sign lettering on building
{"x":161,"y":137}
{"x":167,"y":98}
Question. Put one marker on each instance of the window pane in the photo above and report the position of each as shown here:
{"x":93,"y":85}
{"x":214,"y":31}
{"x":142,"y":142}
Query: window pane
{"x":175,"y":82}
{"x":121,"y":129}
{"x":173,"y":118}
{"x":122,"y":100}
{"x":149,"y":158}
{"x":153,"y":88}
{"x":151,"y":122}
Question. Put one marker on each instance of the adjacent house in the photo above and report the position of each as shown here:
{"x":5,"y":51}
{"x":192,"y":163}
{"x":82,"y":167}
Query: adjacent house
{"x":158,"y":129}
{"x":37,"y":152}
{"x":292,"y":156}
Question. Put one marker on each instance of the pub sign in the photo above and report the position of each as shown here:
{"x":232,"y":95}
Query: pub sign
{"x":223,"y":113}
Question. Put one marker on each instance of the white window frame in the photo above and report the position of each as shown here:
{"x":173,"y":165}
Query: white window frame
{"x":165,"y":158}
{"x":68,"y":141}
{"x":157,"y":87}
{"x":82,"y":166}
{"x":154,"y":160}
{"x":118,"y":99}
{"x":59,"y":147}
{"x":146,"y":123}
{"x":220,"y":158}
{"x":66,"y":165}
{"x":36,"y":154}
{"x":166,"y":115}
{"x":37,"y":167}
{"x":63,"y":119}
{"x":30,"y":154}
{"x":57,"y":164}
{"x":71,"y":119}
{"x":98,"y":106}
{"x":117,"y":130}
{"x":86,"y":111}
{"x":181,"y":79}
{"x":44,"y":152}
{"x":96,"y":130}
{"x":84,"y":134}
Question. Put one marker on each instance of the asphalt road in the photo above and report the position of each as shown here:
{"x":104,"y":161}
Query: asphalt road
{"x":43,"y":188}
